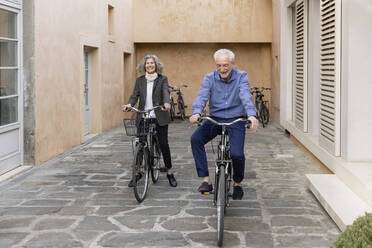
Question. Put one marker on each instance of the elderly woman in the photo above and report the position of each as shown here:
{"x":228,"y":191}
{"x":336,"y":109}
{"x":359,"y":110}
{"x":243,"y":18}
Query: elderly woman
{"x":152,"y":90}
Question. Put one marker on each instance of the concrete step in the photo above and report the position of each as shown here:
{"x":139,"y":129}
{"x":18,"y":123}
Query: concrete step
{"x":341,"y":203}
{"x":15,"y":172}
{"x":358,"y":177}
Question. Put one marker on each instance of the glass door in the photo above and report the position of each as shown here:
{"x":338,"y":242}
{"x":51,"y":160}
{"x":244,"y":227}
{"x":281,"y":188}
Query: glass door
{"x":11,"y":134}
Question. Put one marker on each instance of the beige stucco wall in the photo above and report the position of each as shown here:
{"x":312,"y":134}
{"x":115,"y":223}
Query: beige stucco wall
{"x":202,"y":21}
{"x":62,"y":28}
{"x":187,"y":63}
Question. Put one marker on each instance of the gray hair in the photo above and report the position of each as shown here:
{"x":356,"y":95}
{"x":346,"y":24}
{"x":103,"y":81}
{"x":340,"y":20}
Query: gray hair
{"x":158,"y":64}
{"x":224,"y":51}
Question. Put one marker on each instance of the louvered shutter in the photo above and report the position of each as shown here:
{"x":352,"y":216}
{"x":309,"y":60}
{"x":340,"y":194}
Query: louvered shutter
{"x":300,"y":89}
{"x":329,"y":137}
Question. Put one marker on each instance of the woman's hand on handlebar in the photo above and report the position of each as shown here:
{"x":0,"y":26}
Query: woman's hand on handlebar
{"x":254,"y":123}
{"x":126,"y":107}
{"x":194,"y":118}
{"x":166,"y":106}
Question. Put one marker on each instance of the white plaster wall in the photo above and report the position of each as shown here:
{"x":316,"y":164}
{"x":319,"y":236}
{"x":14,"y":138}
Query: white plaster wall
{"x":314,"y":69}
{"x":285,"y":64}
{"x":356,"y":79}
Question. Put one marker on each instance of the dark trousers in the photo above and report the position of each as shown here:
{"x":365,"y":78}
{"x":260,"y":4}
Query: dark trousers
{"x":207,"y":132}
{"x":162,"y":133}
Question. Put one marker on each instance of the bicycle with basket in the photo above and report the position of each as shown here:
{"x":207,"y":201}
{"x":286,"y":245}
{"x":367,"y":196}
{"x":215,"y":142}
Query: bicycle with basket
{"x":147,"y":156}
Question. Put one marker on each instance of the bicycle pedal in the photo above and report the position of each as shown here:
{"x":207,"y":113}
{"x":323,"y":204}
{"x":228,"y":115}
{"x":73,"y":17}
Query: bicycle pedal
{"x":207,"y":193}
{"x":163,"y":169}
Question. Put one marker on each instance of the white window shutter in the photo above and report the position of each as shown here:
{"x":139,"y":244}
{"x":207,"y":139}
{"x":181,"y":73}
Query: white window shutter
{"x":330,"y":43}
{"x":300,"y":89}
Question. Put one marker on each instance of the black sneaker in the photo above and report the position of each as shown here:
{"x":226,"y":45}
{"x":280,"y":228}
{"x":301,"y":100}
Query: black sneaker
{"x":237,"y":193}
{"x":205,"y":187}
{"x":131,"y":183}
{"x":172,"y":180}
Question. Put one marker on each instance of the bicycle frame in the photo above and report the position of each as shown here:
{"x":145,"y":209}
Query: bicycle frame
{"x":223,"y":159}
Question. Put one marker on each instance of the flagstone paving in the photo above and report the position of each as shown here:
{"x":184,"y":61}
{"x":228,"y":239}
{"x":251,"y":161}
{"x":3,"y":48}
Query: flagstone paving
{"x":81,"y":199}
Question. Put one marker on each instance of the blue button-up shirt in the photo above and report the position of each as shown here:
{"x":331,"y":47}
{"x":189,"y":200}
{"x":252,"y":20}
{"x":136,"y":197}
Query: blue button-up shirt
{"x":226,"y":99}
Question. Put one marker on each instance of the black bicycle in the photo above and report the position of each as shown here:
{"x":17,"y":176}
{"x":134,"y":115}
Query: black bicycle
{"x":180,"y":102}
{"x":172,"y":111}
{"x":223,"y":175}
{"x":147,"y":156}
{"x":263,"y":113}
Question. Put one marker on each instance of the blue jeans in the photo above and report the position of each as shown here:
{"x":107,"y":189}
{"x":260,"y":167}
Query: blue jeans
{"x":207,"y":132}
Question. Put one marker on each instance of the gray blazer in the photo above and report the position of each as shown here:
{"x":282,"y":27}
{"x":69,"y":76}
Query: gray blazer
{"x":160,"y":95}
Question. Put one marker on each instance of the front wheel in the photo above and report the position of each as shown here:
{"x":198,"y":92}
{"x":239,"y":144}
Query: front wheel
{"x":261,"y":114}
{"x":156,"y":161}
{"x":140,"y":173}
{"x":221,"y":198}
{"x":172,"y":111}
{"x":265,"y":115}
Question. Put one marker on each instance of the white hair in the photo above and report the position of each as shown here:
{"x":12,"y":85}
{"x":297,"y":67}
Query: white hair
{"x":224,"y":51}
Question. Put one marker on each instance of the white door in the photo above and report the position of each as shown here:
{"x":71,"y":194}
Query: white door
{"x":87,"y":94}
{"x":11,"y":112}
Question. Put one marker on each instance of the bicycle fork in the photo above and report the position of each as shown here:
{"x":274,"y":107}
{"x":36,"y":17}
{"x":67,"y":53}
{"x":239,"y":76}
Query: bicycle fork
{"x":226,"y":165}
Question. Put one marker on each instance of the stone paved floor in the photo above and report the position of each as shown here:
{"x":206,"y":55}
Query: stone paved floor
{"x":81,"y":200}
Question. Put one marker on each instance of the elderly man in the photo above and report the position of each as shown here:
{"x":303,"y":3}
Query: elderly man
{"x":228,"y":92}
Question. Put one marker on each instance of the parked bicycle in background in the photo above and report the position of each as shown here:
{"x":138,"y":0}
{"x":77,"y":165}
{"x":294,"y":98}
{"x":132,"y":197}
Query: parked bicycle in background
{"x":263,"y":113}
{"x":180,"y":102}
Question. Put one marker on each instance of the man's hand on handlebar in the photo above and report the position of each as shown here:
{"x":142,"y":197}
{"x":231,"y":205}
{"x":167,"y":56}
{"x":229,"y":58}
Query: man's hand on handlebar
{"x":254,"y":123}
{"x":194,"y":118}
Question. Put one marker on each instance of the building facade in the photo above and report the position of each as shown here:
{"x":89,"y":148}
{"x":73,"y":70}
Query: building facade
{"x":62,"y":75}
{"x":67,"y":66}
{"x":325,"y":92}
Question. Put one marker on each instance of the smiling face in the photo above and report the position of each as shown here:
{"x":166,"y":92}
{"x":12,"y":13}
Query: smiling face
{"x":224,"y":66}
{"x":150,"y":65}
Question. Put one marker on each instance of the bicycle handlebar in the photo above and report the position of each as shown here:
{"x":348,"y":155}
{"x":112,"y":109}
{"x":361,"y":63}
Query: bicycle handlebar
{"x":177,"y":87}
{"x":200,"y":119}
{"x":144,"y":111}
{"x":260,"y":88}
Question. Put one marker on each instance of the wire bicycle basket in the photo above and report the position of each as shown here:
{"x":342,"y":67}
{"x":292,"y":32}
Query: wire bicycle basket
{"x":134,"y":127}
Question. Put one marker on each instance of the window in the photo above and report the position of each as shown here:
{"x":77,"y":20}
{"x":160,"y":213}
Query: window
{"x":8,"y":68}
{"x":110,"y":20}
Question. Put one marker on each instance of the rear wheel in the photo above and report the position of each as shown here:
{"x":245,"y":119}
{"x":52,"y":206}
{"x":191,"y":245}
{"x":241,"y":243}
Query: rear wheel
{"x":156,"y":161}
{"x":181,"y":109}
{"x":140,"y":173}
{"x":221,"y":198}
